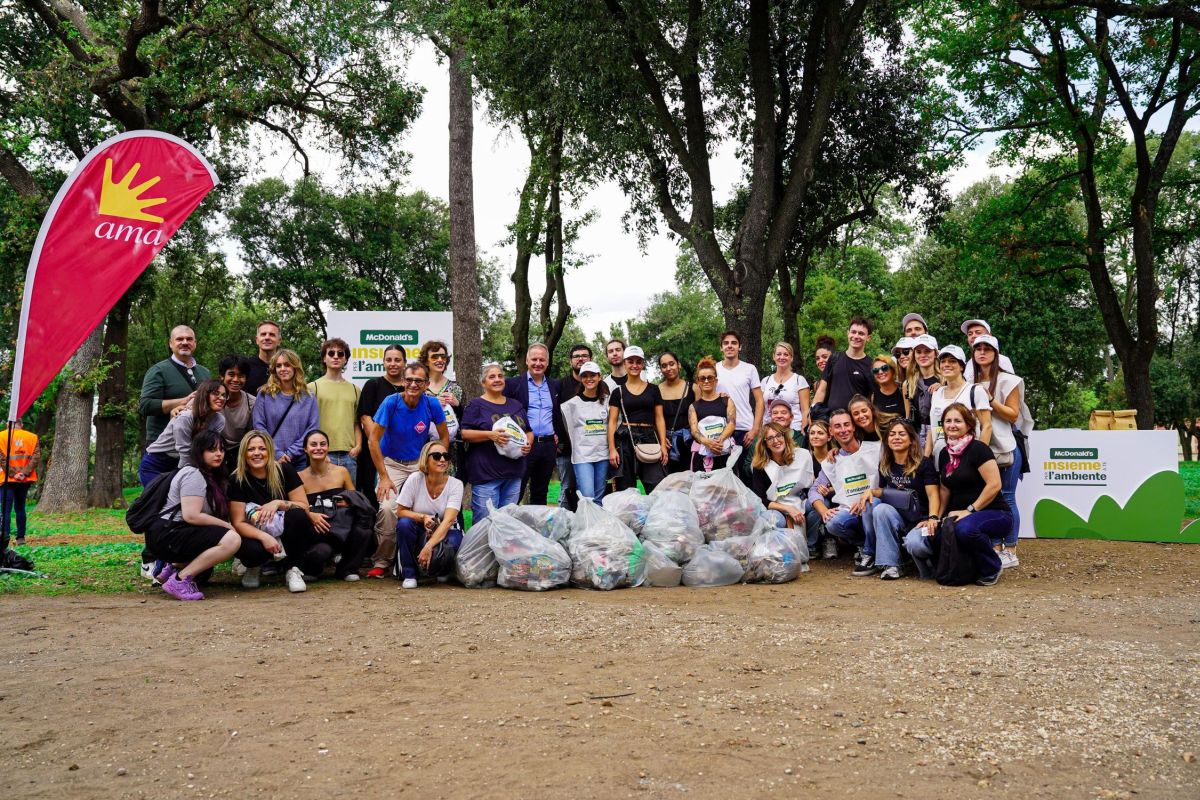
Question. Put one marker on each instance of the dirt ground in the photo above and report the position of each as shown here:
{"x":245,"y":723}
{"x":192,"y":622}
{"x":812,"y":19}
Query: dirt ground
{"x":1077,"y":676}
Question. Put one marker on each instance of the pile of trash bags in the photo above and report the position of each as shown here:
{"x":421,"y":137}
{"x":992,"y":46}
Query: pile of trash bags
{"x":695,"y":529}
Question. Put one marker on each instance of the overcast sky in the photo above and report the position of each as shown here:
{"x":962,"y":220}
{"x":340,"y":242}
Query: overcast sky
{"x":620,"y":277}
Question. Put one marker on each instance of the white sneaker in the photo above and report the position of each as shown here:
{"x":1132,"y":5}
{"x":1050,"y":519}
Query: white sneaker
{"x":409,"y":583}
{"x":295,"y":580}
{"x":251,"y":578}
{"x":147,"y":570}
{"x":1008,"y":559}
{"x":351,"y":577}
{"x":239,"y":569}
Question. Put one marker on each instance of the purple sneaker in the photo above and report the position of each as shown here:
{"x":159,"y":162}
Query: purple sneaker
{"x":164,"y":573}
{"x":182,"y":588}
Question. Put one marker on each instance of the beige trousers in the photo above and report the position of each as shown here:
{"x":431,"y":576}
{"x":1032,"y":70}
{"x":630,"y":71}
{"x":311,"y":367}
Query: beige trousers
{"x":385,"y":520}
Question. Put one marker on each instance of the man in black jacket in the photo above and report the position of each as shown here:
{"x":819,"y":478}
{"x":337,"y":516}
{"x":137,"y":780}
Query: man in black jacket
{"x":539,"y":394}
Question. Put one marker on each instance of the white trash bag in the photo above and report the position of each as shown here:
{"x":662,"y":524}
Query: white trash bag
{"x":553,"y":522}
{"x":775,"y":557}
{"x":660,"y":570}
{"x":527,"y":560}
{"x":724,"y":505}
{"x":711,"y":567}
{"x":605,"y":553}
{"x":675,"y":482}
{"x":673,"y":525}
{"x":737,"y":546}
{"x":514,"y":442}
{"x":475,"y":564}
{"x":630,"y":506}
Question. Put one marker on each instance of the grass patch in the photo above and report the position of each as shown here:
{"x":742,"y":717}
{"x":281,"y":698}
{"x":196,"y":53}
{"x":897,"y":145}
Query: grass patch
{"x":1190,"y":472}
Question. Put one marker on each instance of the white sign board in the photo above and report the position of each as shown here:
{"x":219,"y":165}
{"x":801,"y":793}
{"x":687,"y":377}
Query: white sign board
{"x":1075,"y":468}
{"x":370,"y":332}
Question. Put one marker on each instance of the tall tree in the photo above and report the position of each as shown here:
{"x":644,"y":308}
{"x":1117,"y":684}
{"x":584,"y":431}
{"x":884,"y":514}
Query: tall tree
{"x":67,"y":471}
{"x":1068,"y":89}
{"x":207,"y":72}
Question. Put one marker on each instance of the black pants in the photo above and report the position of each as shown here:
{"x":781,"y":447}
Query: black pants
{"x":305,"y":548}
{"x":742,"y":467}
{"x":539,"y":468}
{"x":630,"y":469}
{"x":179,"y":543}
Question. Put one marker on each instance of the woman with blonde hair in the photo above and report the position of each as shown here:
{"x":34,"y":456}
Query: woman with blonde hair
{"x":781,"y":477}
{"x":428,"y":532}
{"x":887,"y":395}
{"x":286,"y":409}
{"x":788,"y":386}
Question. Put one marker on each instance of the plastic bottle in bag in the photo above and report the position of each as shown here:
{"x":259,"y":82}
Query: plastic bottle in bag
{"x":710,"y":567}
{"x":528,"y":560}
{"x":737,"y":546}
{"x":476,"y":565}
{"x":775,"y":557}
{"x":673,"y":525}
{"x":660,"y":570}
{"x":630,"y":506}
{"x":605,"y":553}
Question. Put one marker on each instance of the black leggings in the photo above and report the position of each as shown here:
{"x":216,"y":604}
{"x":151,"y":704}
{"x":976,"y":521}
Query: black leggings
{"x":305,"y":548}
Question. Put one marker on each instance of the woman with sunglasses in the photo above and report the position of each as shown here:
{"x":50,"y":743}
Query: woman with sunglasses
{"x":887,"y":395}
{"x":903,"y":354}
{"x":286,"y":409}
{"x":172,"y":449}
{"x":635,"y":417}
{"x":710,"y":444}
{"x":427,"y":508}
{"x":436,"y":358}
{"x":677,"y":396}
{"x":789,"y":386}
{"x":920,"y":383}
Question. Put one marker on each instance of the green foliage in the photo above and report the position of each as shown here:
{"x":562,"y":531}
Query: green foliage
{"x":687,"y":322}
{"x":1190,"y":472}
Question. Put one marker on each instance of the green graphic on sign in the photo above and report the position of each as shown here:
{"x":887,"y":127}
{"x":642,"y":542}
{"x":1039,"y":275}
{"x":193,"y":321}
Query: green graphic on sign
{"x":1154,"y":513}
{"x":387,"y":337}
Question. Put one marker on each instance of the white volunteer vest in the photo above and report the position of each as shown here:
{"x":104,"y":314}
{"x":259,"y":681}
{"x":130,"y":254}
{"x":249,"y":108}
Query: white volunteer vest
{"x":854,"y":474}
{"x":786,"y":479}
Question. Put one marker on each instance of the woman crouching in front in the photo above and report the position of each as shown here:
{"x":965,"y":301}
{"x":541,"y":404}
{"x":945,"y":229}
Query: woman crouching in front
{"x":196,"y":534}
{"x":427,"y":510}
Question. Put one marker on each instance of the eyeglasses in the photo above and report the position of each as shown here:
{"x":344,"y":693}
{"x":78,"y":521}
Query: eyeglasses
{"x":775,"y":438}
{"x":336,"y":353}
{"x":440,"y":456}
{"x":438,"y":357}
{"x":879,"y":370}
{"x":414,"y":381}
{"x":706,"y":378}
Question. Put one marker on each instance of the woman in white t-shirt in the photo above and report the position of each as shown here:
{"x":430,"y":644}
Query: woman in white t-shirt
{"x":1009,"y":419}
{"x":427,"y":509}
{"x":955,"y":389}
{"x":585,"y":416}
{"x":789,"y":386}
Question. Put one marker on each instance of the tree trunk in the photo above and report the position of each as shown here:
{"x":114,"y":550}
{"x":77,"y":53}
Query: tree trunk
{"x":742,"y":305}
{"x":65,"y":488}
{"x":1185,"y":441}
{"x":556,"y":284}
{"x":110,"y":415}
{"x":464,"y":274}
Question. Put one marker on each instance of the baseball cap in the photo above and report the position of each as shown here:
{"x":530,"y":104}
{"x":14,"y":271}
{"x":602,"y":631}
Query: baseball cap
{"x":906,"y":343}
{"x":955,"y":351}
{"x":925,"y":340}
{"x":589,"y":366}
{"x":634,"y":351}
{"x":971,"y":322}
{"x":987,"y":338}
{"x":913,"y":316}
{"x":779,"y":401}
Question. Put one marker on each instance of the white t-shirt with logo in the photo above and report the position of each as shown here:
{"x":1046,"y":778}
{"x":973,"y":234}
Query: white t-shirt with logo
{"x":738,"y":383}
{"x":853,"y":473}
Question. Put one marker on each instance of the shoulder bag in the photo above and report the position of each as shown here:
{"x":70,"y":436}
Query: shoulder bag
{"x":680,"y":439}
{"x":647,"y":453}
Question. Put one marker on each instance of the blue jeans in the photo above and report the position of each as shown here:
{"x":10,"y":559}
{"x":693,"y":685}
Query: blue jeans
{"x":502,"y":492}
{"x":14,"y":498}
{"x":566,"y":477}
{"x":343,"y":459}
{"x":1009,"y":477}
{"x":853,"y":529}
{"x":920,"y":547}
{"x":155,"y":464}
{"x":889,"y":528}
{"x":410,"y":538}
{"x":590,"y":478}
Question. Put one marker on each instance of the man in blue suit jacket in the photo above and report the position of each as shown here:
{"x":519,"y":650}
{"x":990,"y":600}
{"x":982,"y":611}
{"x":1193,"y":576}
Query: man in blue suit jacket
{"x":539,"y":394}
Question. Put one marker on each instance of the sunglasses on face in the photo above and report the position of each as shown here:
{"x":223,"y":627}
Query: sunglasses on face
{"x":439,"y":357}
{"x":902,"y":352}
{"x":440,"y":456}
{"x":414,"y":381}
{"x":879,"y":370}
{"x":706,"y":378}
{"x":336,"y":353}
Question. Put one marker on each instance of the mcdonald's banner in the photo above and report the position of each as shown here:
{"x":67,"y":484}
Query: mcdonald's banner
{"x":114,"y":213}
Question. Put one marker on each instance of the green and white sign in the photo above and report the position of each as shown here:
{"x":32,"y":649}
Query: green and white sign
{"x":371,"y":332}
{"x":1117,"y":485}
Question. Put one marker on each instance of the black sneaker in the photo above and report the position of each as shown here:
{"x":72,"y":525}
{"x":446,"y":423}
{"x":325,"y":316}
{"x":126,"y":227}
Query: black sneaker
{"x":988,"y":581}
{"x":866,"y":567}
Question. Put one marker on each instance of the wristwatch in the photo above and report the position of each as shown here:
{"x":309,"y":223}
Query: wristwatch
{"x":971,"y":509}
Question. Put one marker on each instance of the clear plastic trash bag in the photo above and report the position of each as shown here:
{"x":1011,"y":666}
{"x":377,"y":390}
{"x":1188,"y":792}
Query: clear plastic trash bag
{"x":775,"y":557}
{"x":660,"y":569}
{"x":527,"y":560}
{"x":737,"y":546}
{"x":673,"y":525}
{"x":553,"y":522}
{"x":630,"y":506}
{"x":710,"y":567}
{"x":605,"y":553}
{"x":675,"y":482}
{"x":476,"y":565}
{"x":724,"y":505}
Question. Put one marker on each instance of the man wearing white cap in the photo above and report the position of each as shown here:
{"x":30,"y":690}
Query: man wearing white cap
{"x":979,"y":327}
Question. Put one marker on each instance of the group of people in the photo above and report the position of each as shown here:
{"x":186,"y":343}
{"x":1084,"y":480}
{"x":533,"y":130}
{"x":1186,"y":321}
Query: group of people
{"x":873,"y":455}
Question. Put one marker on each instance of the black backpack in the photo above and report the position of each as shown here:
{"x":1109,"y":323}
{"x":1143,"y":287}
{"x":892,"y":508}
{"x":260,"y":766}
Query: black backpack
{"x":954,"y":567}
{"x":147,"y":510}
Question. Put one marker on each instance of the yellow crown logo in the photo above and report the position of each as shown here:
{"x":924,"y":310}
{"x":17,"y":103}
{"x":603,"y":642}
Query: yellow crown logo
{"x":123,"y":200}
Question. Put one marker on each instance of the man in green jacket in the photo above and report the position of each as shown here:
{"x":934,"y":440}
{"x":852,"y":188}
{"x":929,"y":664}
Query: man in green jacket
{"x":171,"y":382}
